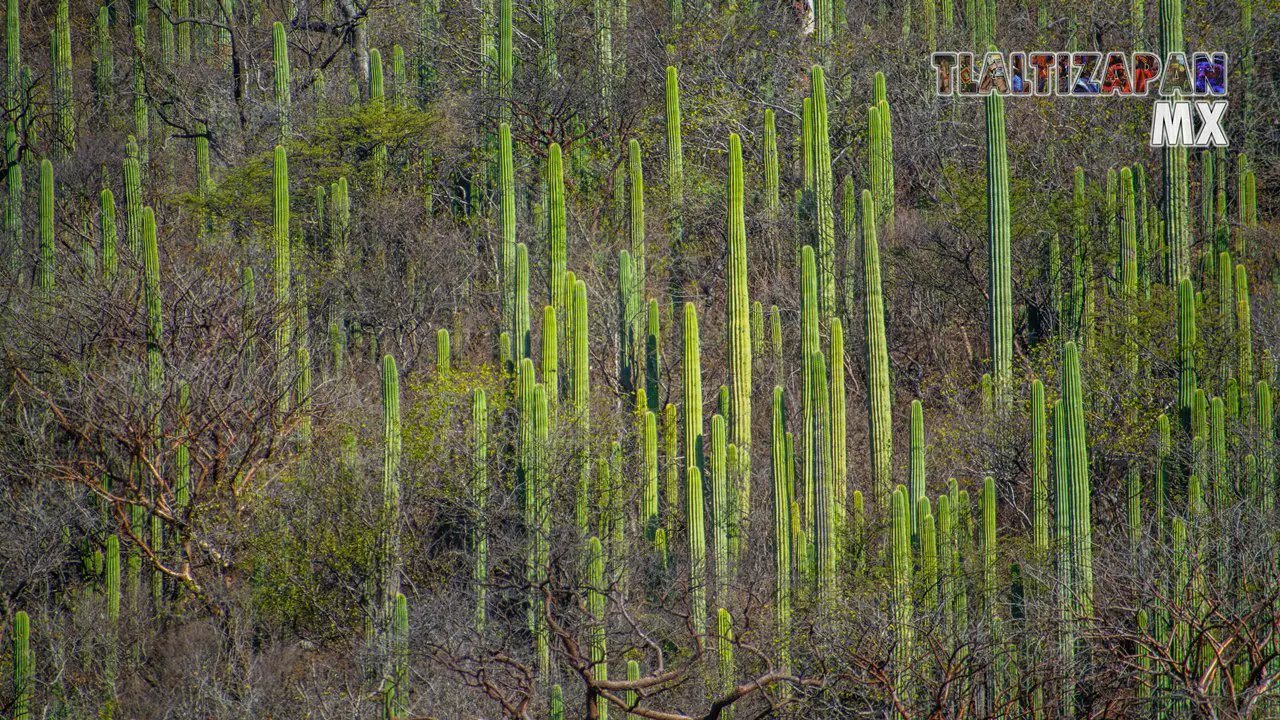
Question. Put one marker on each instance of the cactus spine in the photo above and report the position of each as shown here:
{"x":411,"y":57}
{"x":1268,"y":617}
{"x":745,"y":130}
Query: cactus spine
{"x":998,"y":235}
{"x":284,"y":97}
{"x":879,"y":407}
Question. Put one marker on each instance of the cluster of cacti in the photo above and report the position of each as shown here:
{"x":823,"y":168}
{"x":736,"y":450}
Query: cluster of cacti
{"x":658,"y":467}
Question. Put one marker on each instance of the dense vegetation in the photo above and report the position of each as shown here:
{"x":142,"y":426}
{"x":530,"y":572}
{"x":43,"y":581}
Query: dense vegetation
{"x":421,"y":358}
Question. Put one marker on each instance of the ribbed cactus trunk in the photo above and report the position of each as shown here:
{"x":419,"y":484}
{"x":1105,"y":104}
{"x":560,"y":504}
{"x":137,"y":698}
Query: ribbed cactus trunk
{"x":521,"y":334}
{"x":916,"y":487}
{"x":839,"y":468}
{"x":387,"y":560}
{"x":782,"y":532}
{"x":581,"y":399}
{"x":45,"y":268}
{"x":739,"y":332}
{"x":824,"y":195}
{"x":507,"y":196}
{"x":719,"y":509}
{"x":282,"y":272}
{"x":1077,"y":467}
{"x":62,"y":81}
{"x":879,"y":407}
{"x":809,"y":344}
{"x":557,"y":249}
{"x":283,"y":94}
{"x":675,"y":172}
{"x":824,"y":523}
{"x":1000,"y":280}
{"x":1187,"y":381}
{"x":772,"y":201}
{"x":479,"y":490}
{"x":23,"y":668}
{"x":697,"y":543}
{"x":900,"y":582}
{"x":1039,"y":473}
{"x":1177,"y":231}
{"x":692,"y":374}
{"x":597,"y":602}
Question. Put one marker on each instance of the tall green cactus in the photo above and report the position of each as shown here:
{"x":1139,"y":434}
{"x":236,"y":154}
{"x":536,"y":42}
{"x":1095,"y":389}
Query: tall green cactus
{"x":112,"y":587}
{"x":824,"y":196}
{"x":521,"y":335}
{"x":45,"y":269}
{"x":839,"y":468}
{"x":692,"y":372}
{"x":636,"y":177}
{"x":772,"y":201}
{"x":880,"y":405}
{"x":104,"y":62}
{"x":1186,"y":351}
{"x":13,"y":208}
{"x":1177,"y":233}
{"x":824,"y":522}
{"x":581,"y":396}
{"x":557,"y":252}
{"x":649,"y":463}
{"x":479,"y":491}
{"x":387,"y":560}
{"x":782,"y":532}
{"x":1266,"y":431}
{"x":1000,"y":285}
{"x":900,"y":574}
{"x":550,"y":356}
{"x":697,"y":551}
{"x":1039,"y":472}
{"x":505,"y":61}
{"x":652,"y":355}
{"x":1244,"y":337}
{"x":809,"y":344}
{"x":507,"y":193}
{"x":284,"y":96}
{"x":739,"y":330}
{"x":719,"y":509}
{"x":23,"y":667}
{"x":1077,"y":467}
{"x":724,"y":657}
{"x":675,"y":160}
{"x":597,"y":601}
{"x":155,"y":316}
{"x":400,"y":657}
{"x":282,"y":266}
{"x":61,"y":80}
{"x":674,"y":469}
{"x":628,"y":371}
{"x":916,"y":486}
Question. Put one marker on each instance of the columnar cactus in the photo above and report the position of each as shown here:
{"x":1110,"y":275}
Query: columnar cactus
{"x":719,"y":509}
{"x":1186,"y":351}
{"x":724,"y":657}
{"x":141,"y":109}
{"x":400,"y":657}
{"x":900,"y":573}
{"x":1177,"y":233}
{"x":739,"y":330}
{"x":627,"y":369}
{"x":45,"y":269}
{"x":649,"y":463}
{"x":824,"y":195}
{"x":597,"y":602}
{"x":23,"y":670}
{"x":782,"y":532}
{"x":1039,"y":472}
{"x":284,"y":97}
{"x":507,"y":192}
{"x":443,"y":352}
{"x":1244,"y":337}
{"x":1266,"y":431}
{"x":636,"y":172}
{"x":388,"y":548}
{"x":557,"y":252}
{"x":675,"y":160}
{"x":809,"y":344}
{"x":674,"y":473}
{"x":505,"y":61}
{"x":692,"y":371}
{"x":282,"y":266}
{"x":879,"y":407}
{"x":989,"y":583}
{"x":772,"y":201}
{"x":479,"y":490}
{"x":112,"y":587}
{"x":839,"y":424}
{"x":104,"y":63}
{"x":155,"y":318}
{"x":581,"y":395}
{"x":1000,"y":287}
{"x":63,"y":91}
{"x":1077,"y":467}
{"x":521,"y":336}
{"x":916,"y":486}
{"x":824,"y":521}
{"x":550,"y":356}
